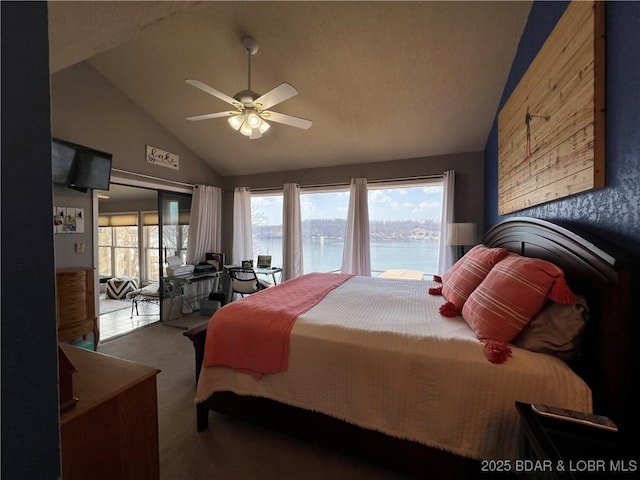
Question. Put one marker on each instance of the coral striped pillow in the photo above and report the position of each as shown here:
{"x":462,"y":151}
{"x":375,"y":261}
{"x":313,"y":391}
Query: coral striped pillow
{"x":466,"y":274}
{"x":511,"y":294}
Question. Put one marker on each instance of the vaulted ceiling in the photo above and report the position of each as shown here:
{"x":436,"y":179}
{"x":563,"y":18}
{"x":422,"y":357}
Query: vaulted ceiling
{"x":380,"y":80}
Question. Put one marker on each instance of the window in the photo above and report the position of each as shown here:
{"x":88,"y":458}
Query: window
{"x":404,"y":226}
{"x":151,"y":247}
{"x":324,"y":218}
{"x":125,"y":250}
{"x":266,"y":226}
{"x":175,"y":239}
{"x":105,"y":245}
{"x":404,"y":222}
{"x":118,"y":245}
{"x":176,"y":212}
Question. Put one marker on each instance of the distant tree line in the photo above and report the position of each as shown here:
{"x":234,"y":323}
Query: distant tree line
{"x":379,"y":229}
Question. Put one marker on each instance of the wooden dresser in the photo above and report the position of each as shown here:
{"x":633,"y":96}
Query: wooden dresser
{"x":76,"y":311}
{"x":112,"y":432}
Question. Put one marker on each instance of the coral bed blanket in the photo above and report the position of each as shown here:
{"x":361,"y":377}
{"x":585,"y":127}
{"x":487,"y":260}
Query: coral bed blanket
{"x":252,"y":334}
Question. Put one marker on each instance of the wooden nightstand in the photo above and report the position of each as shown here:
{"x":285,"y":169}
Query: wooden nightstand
{"x":559,"y":450}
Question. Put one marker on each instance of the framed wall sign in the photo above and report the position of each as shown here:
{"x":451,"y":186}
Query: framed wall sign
{"x":551,"y":130}
{"x":157,"y":156}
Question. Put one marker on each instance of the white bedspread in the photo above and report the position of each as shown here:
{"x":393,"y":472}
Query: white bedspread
{"x":376,"y":353}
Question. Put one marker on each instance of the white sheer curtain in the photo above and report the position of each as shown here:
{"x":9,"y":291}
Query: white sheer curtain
{"x":242,"y":235}
{"x":356,"y":256}
{"x":447,"y":253}
{"x":205,"y":233}
{"x":292,"y":260}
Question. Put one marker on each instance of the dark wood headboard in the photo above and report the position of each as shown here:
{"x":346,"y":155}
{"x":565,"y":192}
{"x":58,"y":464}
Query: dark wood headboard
{"x":602,"y":274}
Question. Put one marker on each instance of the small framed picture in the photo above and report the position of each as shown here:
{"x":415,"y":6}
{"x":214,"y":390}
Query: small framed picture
{"x":247,"y":264}
{"x":215,"y":259}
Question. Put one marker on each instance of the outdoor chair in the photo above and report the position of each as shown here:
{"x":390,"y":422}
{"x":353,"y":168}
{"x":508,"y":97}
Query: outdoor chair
{"x":148,"y":294}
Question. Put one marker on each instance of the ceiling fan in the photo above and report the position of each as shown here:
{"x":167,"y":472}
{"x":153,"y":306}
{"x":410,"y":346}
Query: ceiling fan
{"x":251,"y":109}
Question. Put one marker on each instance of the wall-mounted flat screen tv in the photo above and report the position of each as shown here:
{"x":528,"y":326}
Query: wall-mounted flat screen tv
{"x":80,"y":167}
{"x":93,"y":169}
{"x":62,"y":161}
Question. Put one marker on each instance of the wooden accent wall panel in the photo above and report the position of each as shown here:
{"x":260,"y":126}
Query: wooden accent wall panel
{"x":551,"y":130}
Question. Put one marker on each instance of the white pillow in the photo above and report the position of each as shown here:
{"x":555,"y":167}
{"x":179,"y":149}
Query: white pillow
{"x":151,"y":290}
{"x":245,"y":286}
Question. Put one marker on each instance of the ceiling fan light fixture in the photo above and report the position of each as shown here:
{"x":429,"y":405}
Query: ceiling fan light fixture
{"x":254,"y":119}
{"x":264,"y":126}
{"x":249,"y":124}
{"x":252,"y":109}
{"x":236,"y":121}
{"x":246,"y":129}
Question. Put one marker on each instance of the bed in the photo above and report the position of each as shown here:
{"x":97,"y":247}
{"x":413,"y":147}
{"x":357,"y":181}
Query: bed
{"x":361,"y":381}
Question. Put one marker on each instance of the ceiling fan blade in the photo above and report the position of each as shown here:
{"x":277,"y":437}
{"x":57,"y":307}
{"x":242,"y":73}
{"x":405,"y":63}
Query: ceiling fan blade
{"x":287,"y":119}
{"x":282,"y":92}
{"x":212,"y":91}
{"x":208,"y":116}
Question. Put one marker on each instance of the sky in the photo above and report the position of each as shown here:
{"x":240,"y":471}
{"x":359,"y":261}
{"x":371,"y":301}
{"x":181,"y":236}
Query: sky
{"x":412,"y":203}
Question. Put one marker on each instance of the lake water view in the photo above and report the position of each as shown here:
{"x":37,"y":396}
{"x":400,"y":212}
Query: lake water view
{"x":325,"y":254}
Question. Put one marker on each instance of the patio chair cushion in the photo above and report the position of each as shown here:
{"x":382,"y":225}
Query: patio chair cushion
{"x":118,"y":288}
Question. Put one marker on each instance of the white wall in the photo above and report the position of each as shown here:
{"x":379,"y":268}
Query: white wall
{"x":65,"y":251}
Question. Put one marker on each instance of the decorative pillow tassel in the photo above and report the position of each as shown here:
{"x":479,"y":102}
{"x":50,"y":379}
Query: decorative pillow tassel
{"x":449,"y":310}
{"x":437,"y":278}
{"x":496,"y":352}
{"x":435,"y":291}
{"x":561,"y":293}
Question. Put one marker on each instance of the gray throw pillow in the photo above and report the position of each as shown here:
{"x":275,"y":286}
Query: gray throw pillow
{"x":557,"y":329}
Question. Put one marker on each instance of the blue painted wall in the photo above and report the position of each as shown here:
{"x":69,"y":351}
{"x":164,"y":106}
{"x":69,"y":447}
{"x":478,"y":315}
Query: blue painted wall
{"x":613,"y":212}
{"x":28,"y":344}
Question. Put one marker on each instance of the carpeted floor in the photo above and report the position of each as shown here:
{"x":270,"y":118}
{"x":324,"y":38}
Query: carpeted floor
{"x":230,"y":449}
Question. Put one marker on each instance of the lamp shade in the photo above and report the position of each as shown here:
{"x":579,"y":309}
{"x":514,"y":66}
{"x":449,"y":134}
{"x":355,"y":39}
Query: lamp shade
{"x":264,"y":126}
{"x":246,"y":128}
{"x":461,"y":234}
{"x":253,"y":119}
{"x":236,"y":121}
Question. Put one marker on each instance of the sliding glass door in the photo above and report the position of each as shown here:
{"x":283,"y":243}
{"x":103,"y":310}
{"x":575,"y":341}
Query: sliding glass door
{"x":174,"y":210}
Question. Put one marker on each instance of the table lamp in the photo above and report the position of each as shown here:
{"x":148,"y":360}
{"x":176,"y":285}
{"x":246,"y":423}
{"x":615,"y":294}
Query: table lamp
{"x":461,"y":234}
